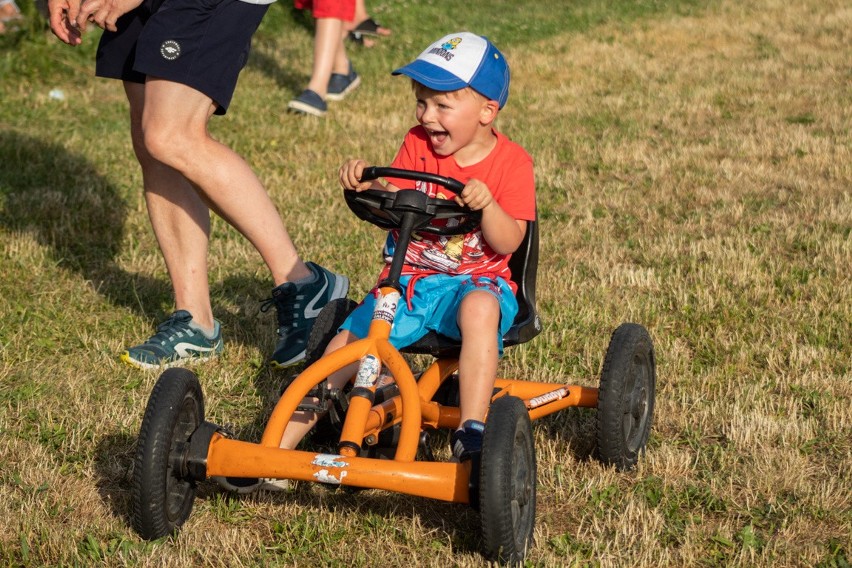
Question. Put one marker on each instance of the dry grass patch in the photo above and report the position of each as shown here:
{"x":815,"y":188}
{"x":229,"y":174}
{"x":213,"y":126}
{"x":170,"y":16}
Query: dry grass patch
{"x":694,"y":175}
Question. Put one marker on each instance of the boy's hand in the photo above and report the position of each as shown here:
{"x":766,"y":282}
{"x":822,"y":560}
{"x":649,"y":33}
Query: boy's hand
{"x":475,"y":195}
{"x":350,"y":175}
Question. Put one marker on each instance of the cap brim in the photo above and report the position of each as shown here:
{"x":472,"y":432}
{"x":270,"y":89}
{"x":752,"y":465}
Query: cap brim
{"x":431,"y":76}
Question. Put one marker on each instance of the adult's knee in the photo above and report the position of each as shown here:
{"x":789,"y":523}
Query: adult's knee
{"x":167,"y":144}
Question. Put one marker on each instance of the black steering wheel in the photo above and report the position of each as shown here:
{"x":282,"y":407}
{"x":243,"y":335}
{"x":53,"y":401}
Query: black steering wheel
{"x":424,"y":209}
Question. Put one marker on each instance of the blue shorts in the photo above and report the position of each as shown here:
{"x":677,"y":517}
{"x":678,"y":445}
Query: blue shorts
{"x":203,"y":44}
{"x":434,"y":307}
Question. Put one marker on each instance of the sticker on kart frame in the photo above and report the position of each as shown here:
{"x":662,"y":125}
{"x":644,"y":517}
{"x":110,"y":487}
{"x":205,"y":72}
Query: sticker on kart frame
{"x":329,"y":460}
{"x":323,"y":476}
{"x":386,"y":307}
{"x":368,"y":371}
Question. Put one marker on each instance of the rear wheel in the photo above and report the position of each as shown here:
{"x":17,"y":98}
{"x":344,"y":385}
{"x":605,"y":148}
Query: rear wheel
{"x":626,"y":396}
{"x":507,"y":482}
{"x":163,"y":492}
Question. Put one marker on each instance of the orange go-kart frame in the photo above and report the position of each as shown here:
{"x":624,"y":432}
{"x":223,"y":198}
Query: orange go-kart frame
{"x":413,"y":409}
{"x":177,"y":447}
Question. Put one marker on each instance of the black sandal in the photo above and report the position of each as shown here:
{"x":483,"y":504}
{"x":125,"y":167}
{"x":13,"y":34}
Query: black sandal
{"x":368,"y":27}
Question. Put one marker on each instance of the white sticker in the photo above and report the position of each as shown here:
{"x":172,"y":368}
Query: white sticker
{"x":329,"y":460}
{"x":552,"y":396}
{"x":386,"y":307}
{"x":368,"y":372}
{"x":323,"y":476}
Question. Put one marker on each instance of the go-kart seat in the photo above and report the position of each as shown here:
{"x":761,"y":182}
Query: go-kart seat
{"x":523,"y":264}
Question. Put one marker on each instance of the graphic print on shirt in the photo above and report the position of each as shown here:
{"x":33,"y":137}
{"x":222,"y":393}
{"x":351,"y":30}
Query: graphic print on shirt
{"x":453,"y":254}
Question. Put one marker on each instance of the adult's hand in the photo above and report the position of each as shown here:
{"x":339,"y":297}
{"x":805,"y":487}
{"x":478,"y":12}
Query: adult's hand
{"x":63,"y":20}
{"x":104,"y":13}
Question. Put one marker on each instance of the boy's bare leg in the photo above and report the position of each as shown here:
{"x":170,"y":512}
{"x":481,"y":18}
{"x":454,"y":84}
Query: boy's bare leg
{"x":303,"y":421}
{"x":174,"y":126}
{"x":479,"y":320}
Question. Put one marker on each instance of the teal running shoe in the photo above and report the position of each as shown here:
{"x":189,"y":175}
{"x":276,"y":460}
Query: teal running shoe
{"x":298,"y":306}
{"x":177,"y":340}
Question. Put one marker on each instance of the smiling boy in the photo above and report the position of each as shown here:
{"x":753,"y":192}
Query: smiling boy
{"x":459,"y":287}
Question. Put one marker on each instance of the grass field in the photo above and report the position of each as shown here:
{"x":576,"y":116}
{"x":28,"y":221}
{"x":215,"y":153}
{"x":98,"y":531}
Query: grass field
{"x":694,"y":168}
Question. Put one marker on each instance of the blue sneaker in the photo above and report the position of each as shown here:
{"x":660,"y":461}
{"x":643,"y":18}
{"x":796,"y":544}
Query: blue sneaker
{"x":177,"y":340}
{"x":298,"y":305}
{"x":309,"y":102}
{"x":341,"y":85}
{"x":467,"y":440}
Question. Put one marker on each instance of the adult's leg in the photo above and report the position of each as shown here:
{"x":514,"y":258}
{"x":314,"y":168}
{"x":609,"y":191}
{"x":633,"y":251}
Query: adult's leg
{"x":174,"y":126}
{"x":479,"y":320}
{"x":179,"y":217}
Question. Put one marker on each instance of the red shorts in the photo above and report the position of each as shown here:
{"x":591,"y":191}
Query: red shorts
{"x":337,"y":9}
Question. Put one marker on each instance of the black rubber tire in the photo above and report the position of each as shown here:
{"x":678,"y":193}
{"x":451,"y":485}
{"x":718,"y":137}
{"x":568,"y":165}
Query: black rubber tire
{"x":626,"y":396}
{"x":325,"y":327}
{"x":507,"y":482}
{"x":162,"y":494}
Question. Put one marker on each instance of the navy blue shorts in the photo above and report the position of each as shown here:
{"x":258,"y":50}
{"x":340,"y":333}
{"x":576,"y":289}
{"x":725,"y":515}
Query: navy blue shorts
{"x":203,"y":44}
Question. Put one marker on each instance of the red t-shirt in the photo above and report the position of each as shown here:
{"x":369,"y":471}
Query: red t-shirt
{"x":508,"y":173}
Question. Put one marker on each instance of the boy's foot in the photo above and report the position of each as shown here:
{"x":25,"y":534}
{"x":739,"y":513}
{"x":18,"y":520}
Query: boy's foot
{"x":309,"y":102}
{"x":177,"y":339}
{"x":466,"y":442}
{"x":246,"y":485}
{"x":298,"y":305}
{"x":341,"y":85}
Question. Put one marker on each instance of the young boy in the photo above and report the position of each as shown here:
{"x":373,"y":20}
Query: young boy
{"x":459,"y":287}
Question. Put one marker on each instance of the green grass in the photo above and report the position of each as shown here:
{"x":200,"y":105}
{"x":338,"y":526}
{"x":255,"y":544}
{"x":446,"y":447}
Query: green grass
{"x":693,"y":173}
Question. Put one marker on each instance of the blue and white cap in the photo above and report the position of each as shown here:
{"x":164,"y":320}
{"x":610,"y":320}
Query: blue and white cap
{"x":462,"y":60}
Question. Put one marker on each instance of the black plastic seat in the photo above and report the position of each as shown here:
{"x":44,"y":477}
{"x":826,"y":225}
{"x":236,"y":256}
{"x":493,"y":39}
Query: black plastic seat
{"x":523,"y":264}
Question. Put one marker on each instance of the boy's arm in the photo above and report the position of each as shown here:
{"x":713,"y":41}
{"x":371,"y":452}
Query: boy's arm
{"x":501,"y":231}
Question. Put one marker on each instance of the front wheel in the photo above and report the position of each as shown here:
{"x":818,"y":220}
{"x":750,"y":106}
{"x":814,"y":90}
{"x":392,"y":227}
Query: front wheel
{"x":507,"y":482}
{"x":162,"y":491}
{"x":626,"y":396}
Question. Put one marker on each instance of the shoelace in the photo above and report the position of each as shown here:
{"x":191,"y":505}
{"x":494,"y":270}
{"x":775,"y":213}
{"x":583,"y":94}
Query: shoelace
{"x":286,"y":310}
{"x":172,"y":326}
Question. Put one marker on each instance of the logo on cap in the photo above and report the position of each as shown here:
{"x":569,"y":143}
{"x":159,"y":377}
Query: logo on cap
{"x":460,"y":60}
{"x":445,"y":50}
{"x":170,"y":49}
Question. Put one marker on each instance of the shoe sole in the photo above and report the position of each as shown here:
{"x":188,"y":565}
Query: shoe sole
{"x":136,"y":364}
{"x":265,"y":484}
{"x":341,"y":288}
{"x":342,"y":95}
{"x":305,"y":108}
